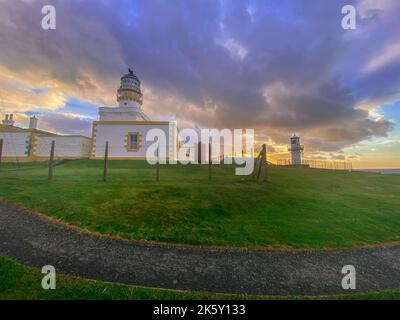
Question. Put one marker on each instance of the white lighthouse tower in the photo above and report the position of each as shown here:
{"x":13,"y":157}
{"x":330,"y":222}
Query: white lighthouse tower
{"x":130,"y":100}
{"x":296,"y":150}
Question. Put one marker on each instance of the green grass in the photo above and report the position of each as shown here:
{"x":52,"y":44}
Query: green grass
{"x":18,"y":282}
{"x":296,"y":208}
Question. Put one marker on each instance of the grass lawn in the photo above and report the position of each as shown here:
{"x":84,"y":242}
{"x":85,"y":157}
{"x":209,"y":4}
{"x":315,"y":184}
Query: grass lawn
{"x":297,"y":208}
{"x":18,"y":282}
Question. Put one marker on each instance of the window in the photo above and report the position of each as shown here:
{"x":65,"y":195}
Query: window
{"x":133,"y":141}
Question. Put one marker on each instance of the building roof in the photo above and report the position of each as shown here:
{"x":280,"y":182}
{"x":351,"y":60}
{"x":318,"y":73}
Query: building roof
{"x":130,"y":74}
{"x":6,"y":128}
{"x":131,"y":82}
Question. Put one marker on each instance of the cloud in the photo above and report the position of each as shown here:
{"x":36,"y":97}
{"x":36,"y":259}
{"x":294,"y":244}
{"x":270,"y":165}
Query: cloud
{"x":17,"y":94}
{"x":65,"y":124}
{"x":277,"y":67}
{"x":388,"y":55}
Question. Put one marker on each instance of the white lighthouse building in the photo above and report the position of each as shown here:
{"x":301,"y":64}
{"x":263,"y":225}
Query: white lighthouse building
{"x":296,"y":150}
{"x":33,"y":144}
{"x":125,"y":127}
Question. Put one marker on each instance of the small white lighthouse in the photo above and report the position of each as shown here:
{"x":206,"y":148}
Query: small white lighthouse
{"x":296,"y":150}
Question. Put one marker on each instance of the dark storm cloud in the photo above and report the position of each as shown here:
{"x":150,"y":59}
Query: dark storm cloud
{"x":275,"y":66}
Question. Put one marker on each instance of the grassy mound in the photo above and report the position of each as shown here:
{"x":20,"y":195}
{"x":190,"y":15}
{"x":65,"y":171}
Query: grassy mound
{"x":298,"y":208}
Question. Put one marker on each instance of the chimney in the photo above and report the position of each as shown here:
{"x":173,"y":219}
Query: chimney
{"x":33,"y":121}
{"x":8,"y":121}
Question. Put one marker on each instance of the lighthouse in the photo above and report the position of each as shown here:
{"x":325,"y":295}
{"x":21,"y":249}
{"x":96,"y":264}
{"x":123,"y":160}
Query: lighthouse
{"x":129,"y":94}
{"x":124,"y":127}
{"x":130,"y":100}
{"x":296,"y":150}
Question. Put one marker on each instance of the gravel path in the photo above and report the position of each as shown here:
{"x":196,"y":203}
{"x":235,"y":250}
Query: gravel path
{"x":37,"y":242}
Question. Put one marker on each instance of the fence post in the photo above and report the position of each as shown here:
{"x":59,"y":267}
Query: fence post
{"x":261,"y":175}
{"x":50,"y":175}
{"x":199,"y":152}
{"x":257,"y":164}
{"x":1,"y":149}
{"x":265,"y":163}
{"x":105,"y":170}
{"x":209,"y":160}
{"x":158,"y":165}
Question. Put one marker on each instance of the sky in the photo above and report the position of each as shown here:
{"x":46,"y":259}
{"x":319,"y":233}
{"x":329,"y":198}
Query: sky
{"x":279,"y":67}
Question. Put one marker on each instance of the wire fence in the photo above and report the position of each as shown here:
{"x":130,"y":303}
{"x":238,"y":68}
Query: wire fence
{"x":22,"y":156}
{"x":50,"y":153}
{"x":317,"y":164}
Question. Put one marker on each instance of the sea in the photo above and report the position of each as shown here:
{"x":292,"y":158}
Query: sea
{"x":381,"y":171}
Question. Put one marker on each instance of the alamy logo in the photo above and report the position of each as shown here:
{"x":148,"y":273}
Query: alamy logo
{"x":349,"y":20}
{"x":349,"y":280}
{"x":49,"y":280}
{"x":221,"y":146}
{"x":49,"y":20}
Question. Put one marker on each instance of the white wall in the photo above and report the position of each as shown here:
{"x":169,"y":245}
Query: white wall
{"x":115,"y":134}
{"x":120,"y":114}
{"x":65,"y":146}
{"x":15,"y":144}
{"x":296,"y":158}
